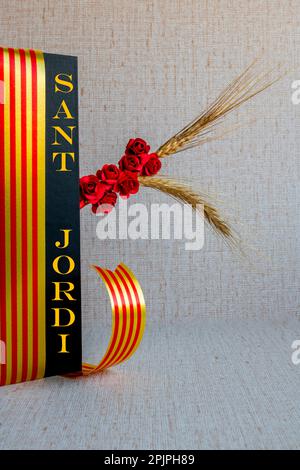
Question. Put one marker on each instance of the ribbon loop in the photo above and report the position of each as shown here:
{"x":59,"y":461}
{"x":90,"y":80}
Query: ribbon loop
{"x":129,"y":317}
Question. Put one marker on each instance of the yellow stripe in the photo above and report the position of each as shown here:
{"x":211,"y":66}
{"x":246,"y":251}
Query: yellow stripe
{"x":41,"y":96}
{"x":18,"y":215}
{"x":7,"y":215}
{"x":29,"y":208}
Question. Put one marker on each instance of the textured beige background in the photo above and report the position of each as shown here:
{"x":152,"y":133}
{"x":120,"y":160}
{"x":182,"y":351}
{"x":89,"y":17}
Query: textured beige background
{"x":146,"y":68}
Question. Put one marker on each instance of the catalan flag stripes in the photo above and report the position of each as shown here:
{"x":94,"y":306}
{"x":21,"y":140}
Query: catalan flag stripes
{"x":129,"y":317}
{"x":22,"y":215}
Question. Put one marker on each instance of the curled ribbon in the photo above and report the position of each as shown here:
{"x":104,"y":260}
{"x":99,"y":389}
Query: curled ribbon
{"x":128,"y":314}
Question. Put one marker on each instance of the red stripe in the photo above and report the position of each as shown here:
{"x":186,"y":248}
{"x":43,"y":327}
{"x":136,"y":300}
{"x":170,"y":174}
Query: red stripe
{"x":124,"y":316}
{"x":116,"y":329}
{"x":13,"y":247}
{"x":139,"y":313}
{"x":2,"y":229}
{"x":24,"y":216}
{"x":34,"y":218}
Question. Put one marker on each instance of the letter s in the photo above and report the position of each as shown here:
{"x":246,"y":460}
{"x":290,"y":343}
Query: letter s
{"x":65,"y":83}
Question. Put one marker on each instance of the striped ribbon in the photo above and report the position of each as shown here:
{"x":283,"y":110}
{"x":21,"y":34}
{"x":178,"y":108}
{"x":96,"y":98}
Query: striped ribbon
{"x":22,"y":214}
{"x":128,"y":315}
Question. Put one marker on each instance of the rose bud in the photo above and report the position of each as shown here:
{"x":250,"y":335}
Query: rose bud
{"x":131,"y":163}
{"x":136,"y":147}
{"x":151,"y":165}
{"x":109,"y":174}
{"x":91,"y":189}
{"x":127,"y":184}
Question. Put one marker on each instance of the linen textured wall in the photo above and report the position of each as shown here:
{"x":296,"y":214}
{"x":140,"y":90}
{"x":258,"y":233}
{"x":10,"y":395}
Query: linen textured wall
{"x":146,"y":68}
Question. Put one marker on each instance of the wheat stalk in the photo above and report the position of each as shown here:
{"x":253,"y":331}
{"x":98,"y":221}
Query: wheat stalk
{"x":184,"y":193}
{"x":201,"y":129}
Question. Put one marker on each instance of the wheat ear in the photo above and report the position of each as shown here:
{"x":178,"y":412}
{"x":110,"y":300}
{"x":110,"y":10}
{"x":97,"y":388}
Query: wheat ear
{"x":185,"y":194}
{"x":202,"y":129}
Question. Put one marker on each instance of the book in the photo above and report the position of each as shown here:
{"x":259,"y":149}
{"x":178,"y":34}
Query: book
{"x":40,"y":298}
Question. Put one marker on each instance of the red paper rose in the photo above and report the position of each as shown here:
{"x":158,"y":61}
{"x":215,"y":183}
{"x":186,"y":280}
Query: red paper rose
{"x":106,"y":204}
{"x":136,"y":147}
{"x":131,"y":163}
{"x":109,"y":174}
{"x":151,"y":165}
{"x":127,"y":184}
{"x":91,"y":189}
{"x":101,"y":190}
